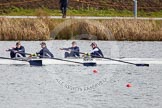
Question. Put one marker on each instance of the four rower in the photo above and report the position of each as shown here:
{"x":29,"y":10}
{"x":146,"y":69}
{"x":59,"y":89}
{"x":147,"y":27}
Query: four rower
{"x":18,"y":51}
{"x":72,"y":51}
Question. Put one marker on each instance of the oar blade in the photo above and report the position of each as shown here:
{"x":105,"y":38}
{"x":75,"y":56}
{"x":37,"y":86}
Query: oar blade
{"x":36,"y":63}
{"x":90,"y":64}
{"x":147,"y":65}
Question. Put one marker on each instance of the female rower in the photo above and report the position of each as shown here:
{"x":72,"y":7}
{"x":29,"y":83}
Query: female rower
{"x":96,"y":52}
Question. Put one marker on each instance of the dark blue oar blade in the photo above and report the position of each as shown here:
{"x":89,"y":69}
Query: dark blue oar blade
{"x":89,"y":64}
{"x":36,"y":63}
{"x":142,"y":65}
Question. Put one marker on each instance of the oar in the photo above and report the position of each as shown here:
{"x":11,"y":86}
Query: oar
{"x":140,"y":64}
{"x":84,"y":64}
{"x":123,"y":61}
{"x":11,"y":59}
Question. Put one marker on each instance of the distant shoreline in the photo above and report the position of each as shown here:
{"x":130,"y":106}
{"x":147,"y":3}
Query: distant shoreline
{"x":79,"y":12}
{"x":85,"y":17}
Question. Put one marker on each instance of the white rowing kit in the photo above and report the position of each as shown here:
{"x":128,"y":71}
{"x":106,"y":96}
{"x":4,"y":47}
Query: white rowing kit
{"x":98,"y":61}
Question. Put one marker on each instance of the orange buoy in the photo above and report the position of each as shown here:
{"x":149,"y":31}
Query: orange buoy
{"x":128,"y":85}
{"x":95,"y":71}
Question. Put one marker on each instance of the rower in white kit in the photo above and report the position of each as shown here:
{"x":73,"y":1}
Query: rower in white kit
{"x":96,"y":51}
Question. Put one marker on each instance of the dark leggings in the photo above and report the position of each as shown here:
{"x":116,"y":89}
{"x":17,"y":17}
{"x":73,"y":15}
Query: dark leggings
{"x":63,"y":9}
{"x":12,"y":54}
{"x":71,"y":54}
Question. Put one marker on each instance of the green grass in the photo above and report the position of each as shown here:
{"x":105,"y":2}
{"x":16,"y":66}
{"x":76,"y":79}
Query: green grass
{"x":14,"y":11}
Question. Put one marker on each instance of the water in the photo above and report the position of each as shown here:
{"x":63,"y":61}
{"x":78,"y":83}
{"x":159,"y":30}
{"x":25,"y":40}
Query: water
{"x":68,"y":86}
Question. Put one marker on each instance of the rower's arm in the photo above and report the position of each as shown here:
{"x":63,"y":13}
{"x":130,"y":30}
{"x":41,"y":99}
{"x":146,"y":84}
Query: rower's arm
{"x":66,"y":48}
{"x":45,"y":53}
{"x":21,"y":50}
{"x":49,"y":53}
{"x":11,"y":49}
{"x":40,"y":52}
{"x":77,"y":51}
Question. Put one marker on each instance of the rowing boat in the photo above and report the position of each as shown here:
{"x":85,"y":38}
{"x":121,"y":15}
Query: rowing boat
{"x":98,"y":61}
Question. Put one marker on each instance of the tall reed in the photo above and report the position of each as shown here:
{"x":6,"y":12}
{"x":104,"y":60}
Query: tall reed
{"x":129,"y":30}
{"x":23,"y":29}
{"x":44,"y":28}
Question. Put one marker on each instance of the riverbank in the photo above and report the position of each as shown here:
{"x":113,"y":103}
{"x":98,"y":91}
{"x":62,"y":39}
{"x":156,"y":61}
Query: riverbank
{"x":81,"y":12}
{"x":44,"y":28}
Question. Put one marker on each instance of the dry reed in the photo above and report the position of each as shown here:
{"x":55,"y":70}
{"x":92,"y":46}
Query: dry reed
{"x":44,"y":28}
{"x":135,"y":30}
{"x":23,"y":29}
{"x":129,"y":30}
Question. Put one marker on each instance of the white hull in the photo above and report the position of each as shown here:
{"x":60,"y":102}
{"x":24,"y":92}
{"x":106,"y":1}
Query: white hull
{"x":98,"y":61}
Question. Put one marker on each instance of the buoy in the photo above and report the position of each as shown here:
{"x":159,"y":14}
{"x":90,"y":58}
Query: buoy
{"x":128,"y":85}
{"x":95,"y":71}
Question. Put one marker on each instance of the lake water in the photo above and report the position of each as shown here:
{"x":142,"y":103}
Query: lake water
{"x":67,"y":86}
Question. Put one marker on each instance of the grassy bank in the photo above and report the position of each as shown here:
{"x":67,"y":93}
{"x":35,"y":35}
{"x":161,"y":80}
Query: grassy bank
{"x":45,"y":28}
{"x":82,"y":12}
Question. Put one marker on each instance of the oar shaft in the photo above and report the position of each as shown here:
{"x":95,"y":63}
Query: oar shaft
{"x":63,"y":60}
{"x":119,"y":61}
{"x":116,"y":60}
{"x":67,"y":60}
{"x":12,"y":59}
